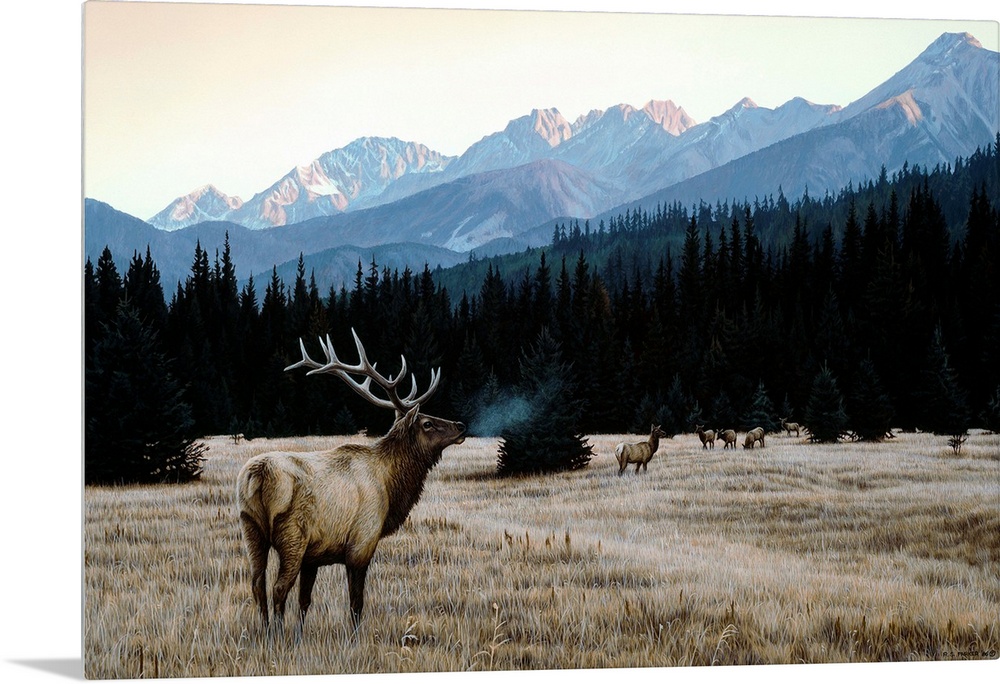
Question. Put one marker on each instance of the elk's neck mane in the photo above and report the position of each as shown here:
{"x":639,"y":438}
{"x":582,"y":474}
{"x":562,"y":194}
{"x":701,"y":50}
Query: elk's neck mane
{"x":654,"y":442}
{"x":406,"y":467}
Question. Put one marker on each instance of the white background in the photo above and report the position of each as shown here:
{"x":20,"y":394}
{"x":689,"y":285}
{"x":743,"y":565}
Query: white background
{"x":40,"y":469}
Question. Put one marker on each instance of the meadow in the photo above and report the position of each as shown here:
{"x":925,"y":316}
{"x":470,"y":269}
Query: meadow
{"x":794,"y":553}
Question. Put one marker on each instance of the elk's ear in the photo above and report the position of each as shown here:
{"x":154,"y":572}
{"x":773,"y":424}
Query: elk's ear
{"x":411,"y":416}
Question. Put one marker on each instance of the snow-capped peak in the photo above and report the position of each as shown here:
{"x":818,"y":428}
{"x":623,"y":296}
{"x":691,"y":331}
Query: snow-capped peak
{"x":551,"y":126}
{"x":205,"y":203}
{"x":942,"y":48}
{"x":670,"y":117}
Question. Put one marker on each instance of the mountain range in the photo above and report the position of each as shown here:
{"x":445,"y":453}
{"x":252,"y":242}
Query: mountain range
{"x":504,"y":191}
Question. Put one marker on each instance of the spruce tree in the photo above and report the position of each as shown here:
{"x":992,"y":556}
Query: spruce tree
{"x":109,"y":287}
{"x":548,"y":438}
{"x":869,"y":405}
{"x":944,"y":410}
{"x":991,"y":415}
{"x":138,"y":427}
{"x":676,"y":401}
{"x":825,"y":415}
{"x":651,"y":409}
{"x":761,"y":412}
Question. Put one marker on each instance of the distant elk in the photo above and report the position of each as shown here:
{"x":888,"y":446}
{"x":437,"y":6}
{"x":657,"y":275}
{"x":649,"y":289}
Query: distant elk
{"x":790,"y":427}
{"x":707,"y":436}
{"x":728,"y":438}
{"x":335,"y":506}
{"x":754,"y":436}
{"x":640,"y":453}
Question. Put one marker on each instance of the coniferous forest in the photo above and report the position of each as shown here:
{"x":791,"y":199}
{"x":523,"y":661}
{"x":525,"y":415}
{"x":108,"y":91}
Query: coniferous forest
{"x":874,"y":309}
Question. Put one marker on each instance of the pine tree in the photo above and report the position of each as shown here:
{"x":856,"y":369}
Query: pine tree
{"x":138,"y":428}
{"x":650,"y":409}
{"x":689,"y":278}
{"x":109,"y":287}
{"x":869,"y":405}
{"x":761,"y":412}
{"x":943,"y":402}
{"x":92,"y":318}
{"x":548,"y":439}
{"x":143,"y":291}
{"x":991,"y":415}
{"x":470,"y":375}
{"x":825,"y":414}
{"x":676,"y":403}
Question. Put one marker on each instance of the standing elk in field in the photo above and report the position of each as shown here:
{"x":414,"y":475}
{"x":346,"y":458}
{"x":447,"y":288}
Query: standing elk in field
{"x":754,"y":436}
{"x":790,"y":427}
{"x":640,"y":453}
{"x":334,"y":506}
{"x":707,"y":436}
{"x":728,"y":439}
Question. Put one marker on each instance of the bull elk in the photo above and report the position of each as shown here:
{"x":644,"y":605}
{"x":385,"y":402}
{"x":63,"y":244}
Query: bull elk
{"x":335,"y":506}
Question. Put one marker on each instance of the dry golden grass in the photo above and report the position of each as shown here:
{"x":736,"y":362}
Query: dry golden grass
{"x":792,"y":553}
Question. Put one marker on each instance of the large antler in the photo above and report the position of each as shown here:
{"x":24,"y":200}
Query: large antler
{"x":367,"y":370}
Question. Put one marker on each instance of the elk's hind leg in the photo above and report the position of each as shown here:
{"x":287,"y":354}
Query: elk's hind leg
{"x":291,"y":547}
{"x":257,"y":548}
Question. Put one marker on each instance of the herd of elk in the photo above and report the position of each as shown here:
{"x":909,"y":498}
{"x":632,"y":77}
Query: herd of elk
{"x":335,"y":506}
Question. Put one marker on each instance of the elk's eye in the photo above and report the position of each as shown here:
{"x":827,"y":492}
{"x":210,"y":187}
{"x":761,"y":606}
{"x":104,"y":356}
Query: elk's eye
{"x":427,"y":425}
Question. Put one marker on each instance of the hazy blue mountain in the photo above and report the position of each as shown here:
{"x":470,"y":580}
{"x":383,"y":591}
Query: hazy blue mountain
{"x":331,"y":184}
{"x":505,"y":191}
{"x":207,"y":203}
{"x":940,"y":107}
{"x":471,"y":211}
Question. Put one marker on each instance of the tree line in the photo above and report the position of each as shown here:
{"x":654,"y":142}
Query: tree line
{"x":886,"y":315}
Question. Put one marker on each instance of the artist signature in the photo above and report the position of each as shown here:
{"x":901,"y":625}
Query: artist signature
{"x":970,"y":654}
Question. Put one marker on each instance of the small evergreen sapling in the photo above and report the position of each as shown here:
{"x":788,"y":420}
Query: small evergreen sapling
{"x":547,"y":439}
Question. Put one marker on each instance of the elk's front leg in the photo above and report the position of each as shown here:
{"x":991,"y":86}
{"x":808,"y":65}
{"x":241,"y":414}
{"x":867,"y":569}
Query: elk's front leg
{"x":307,"y":578}
{"x":356,"y":591}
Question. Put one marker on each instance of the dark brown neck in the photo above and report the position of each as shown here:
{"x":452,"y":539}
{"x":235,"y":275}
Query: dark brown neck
{"x":654,"y":443}
{"x":406,"y":470}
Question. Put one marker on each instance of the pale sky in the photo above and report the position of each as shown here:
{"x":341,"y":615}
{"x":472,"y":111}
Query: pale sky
{"x":177,"y":96}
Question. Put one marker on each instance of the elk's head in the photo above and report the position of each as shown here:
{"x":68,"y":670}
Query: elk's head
{"x":428,"y":434}
{"x":657,"y":432}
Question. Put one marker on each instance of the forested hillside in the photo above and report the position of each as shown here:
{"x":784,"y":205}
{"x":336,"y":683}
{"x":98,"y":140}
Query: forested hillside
{"x":723,"y":314}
